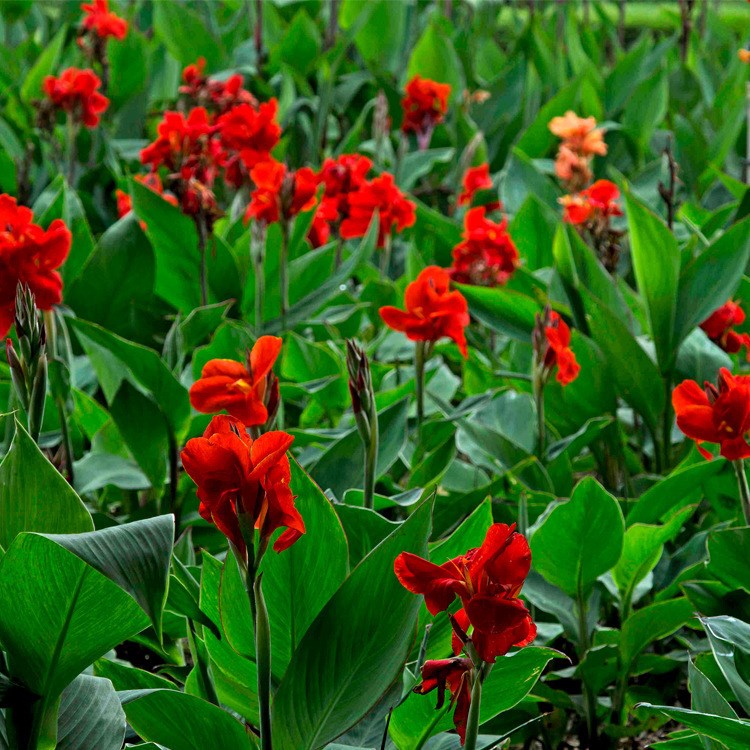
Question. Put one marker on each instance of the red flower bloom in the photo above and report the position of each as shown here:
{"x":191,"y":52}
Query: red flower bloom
{"x":180,"y":142}
{"x":718,"y":327}
{"x":279,"y":193}
{"x":102,"y":21}
{"x":716,"y":415}
{"x":208,"y":92}
{"x":29,"y":255}
{"x":487,"y":256}
{"x":320,"y":229}
{"x":394,"y":210}
{"x":237,"y":475}
{"x":555,"y":349}
{"x":455,"y":675}
{"x":424,"y":106}
{"x":488,"y":580}
{"x":432,"y":310}
{"x":593,"y":206}
{"x":76,"y":91}
{"x":243,"y":390}
{"x":248,"y":134}
{"x":474,"y":180}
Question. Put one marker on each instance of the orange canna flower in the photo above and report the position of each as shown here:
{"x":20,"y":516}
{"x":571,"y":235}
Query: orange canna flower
{"x":744,"y":55}
{"x":246,"y":391}
{"x":579,"y":133}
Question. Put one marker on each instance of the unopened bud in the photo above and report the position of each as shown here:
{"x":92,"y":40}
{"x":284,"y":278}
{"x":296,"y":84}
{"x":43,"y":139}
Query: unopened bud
{"x":17,"y":374}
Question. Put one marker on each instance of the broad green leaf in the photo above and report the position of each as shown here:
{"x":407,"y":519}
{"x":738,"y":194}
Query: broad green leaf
{"x":351,"y":672}
{"x":727,"y":552}
{"x":733,"y":733}
{"x":652,"y":623}
{"x":730,"y":642}
{"x":504,"y":310}
{"x":133,"y":555}
{"x":636,"y":376}
{"x":364,"y":529}
{"x":579,"y":540}
{"x":298,"y":582}
{"x":434,"y":56}
{"x":90,"y":716}
{"x":174,"y":239}
{"x":510,"y":680}
{"x":381,"y":28}
{"x":656,"y":262}
{"x":706,"y":698}
{"x":34,"y":496}
{"x":642,"y":548}
{"x":46,"y":64}
{"x":54,"y":626}
{"x":711,"y":278}
{"x":186,"y":34}
{"x":162,"y":716}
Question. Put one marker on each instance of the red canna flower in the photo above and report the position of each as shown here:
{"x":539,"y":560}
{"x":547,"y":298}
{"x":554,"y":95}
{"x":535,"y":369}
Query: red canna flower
{"x":551,"y":341}
{"x":579,"y":133}
{"x":395,"y":211}
{"x":455,"y":676}
{"x":248,"y":135}
{"x":593,"y":206}
{"x":101,"y":21}
{"x":432,"y":310}
{"x":29,"y":255}
{"x":424,"y":106}
{"x":245,"y":390}
{"x":180,"y":141}
{"x":718,"y":327}
{"x":76,"y":91}
{"x":716,"y":415}
{"x":238,"y":476}
{"x":488,"y":580}
{"x":208,"y":92}
{"x":487,"y":256}
{"x":320,"y":229}
{"x":474,"y":180}
{"x":280,"y":194}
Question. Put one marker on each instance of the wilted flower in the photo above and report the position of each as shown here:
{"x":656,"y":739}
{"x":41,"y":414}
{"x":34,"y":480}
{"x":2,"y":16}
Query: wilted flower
{"x":720,"y":324}
{"x":453,"y":675}
{"x":551,"y":341}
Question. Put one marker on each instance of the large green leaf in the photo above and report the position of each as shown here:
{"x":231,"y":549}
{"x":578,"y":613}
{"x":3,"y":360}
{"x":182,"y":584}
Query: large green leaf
{"x":298,"y":582}
{"x":730,"y":642}
{"x":656,"y":262}
{"x":728,"y":554}
{"x":504,"y":310}
{"x":366,"y":630}
{"x":709,"y":280}
{"x":185,"y":34}
{"x":511,"y":679}
{"x":34,"y":496}
{"x":91,"y":716}
{"x":733,"y":733}
{"x":134,"y":555}
{"x":181,"y":721}
{"x":706,"y":698}
{"x":55,"y":625}
{"x":579,"y":540}
{"x":174,"y":239}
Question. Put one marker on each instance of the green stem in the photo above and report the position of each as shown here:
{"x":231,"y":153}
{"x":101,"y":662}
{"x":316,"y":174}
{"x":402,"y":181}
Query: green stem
{"x":385,"y":256}
{"x":667,"y":423}
{"x":203,"y":667}
{"x":72,"y":150}
{"x":472,"y":722}
{"x":67,"y":443}
{"x":263,"y":662}
{"x":419,"y":361}
{"x":257,"y":251}
{"x":173,"y":471}
{"x":739,"y":470}
{"x":339,"y":254}
{"x":371,"y":459}
{"x":283,"y":271}
{"x":583,"y":647}
{"x":200,"y":221}
{"x":538,"y":385}
{"x":523,"y":513}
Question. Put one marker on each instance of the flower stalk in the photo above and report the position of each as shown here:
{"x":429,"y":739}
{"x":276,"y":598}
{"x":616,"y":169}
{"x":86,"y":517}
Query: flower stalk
{"x":284,"y":271}
{"x":739,"y":470}
{"x":257,"y":252}
{"x":420,"y":357}
{"x":365,"y":413}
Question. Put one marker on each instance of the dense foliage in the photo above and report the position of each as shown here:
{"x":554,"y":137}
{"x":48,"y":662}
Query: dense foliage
{"x":374,"y":375}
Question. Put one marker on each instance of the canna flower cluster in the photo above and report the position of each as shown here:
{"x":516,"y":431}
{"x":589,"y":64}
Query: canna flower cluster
{"x":280,"y":194}
{"x":244,"y":482}
{"x":551,"y":342}
{"x":75,"y":92}
{"x":581,"y":141}
{"x":476,"y":179}
{"x":719,"y":327}
{"x":29,"y":255}
{"x":98,"y":26}
{"x":432,"y":312}
{"x":492,"y":619}
{"x":487,"y":255}
{"x":716,"y":414}
{"x":424,"y":106}
{"x":591,"y":212}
